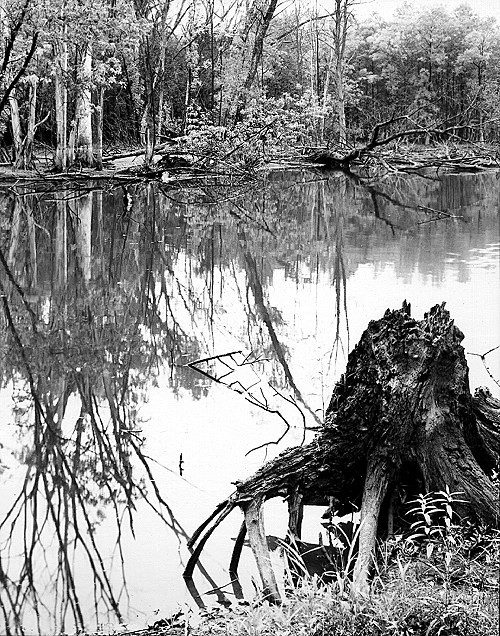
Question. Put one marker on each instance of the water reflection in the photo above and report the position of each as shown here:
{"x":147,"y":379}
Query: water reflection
{"x":77,"y":361}
{"x":107,"y":295}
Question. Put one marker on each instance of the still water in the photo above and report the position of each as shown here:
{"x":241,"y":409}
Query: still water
{"x":112,"y":449}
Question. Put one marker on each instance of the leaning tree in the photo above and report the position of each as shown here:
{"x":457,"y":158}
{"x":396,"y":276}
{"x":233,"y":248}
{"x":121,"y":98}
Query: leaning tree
{"x":401,"y":419}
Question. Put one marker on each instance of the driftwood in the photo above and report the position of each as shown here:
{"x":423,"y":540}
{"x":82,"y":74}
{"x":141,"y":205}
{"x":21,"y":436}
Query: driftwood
{"x":401,"y":418}
{"x":442,"y":157}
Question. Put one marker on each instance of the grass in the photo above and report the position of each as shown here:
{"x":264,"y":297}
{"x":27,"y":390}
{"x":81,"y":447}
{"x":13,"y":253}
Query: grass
{"x":415,"y":592}
{"x":443,"y":579}
{"x":408,"y":599}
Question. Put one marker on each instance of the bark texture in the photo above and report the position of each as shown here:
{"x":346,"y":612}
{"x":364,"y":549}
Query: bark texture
{"x":401,"y":418}
{"x":83,"y":111}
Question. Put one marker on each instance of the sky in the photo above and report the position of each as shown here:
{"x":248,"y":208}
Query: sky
{"x":386,"y":7}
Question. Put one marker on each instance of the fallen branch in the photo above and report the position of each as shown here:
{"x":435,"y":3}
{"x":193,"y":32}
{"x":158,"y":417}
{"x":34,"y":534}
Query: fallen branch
{"x":232,"y":375}
{"x":344,"y":161}
{"x":134,"y":153}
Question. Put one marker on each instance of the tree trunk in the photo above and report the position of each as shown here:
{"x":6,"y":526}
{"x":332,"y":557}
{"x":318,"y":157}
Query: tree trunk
{"x":11,"y":29}
{"x":17,"y":136}
{"x":99,"y":129}
{"x":401,"y":418}
{"x":61,"y":103}
{"x":339,"y":77}
{"x":23,"y":147}
{"x":341,"y":20}
{"x":263,"y":22}
{"x":83,"y":111}
{"x":324,"y":100}
{"x":30,"y":134}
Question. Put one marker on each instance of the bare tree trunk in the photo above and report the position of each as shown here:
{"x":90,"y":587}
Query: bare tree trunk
{"x":480,"y":100}
{"x":187,"y":100}
{"x":61,"y":102}
{"x":149,"y":149}
{"x":30,"y":134}
{"x":264,"y":21}
{"x":70,"y":150}
{"x":17,"y":136}
{"x":312,"y":65}
{"x":143,"y":125}
{"x":339,"y":77}
{"x":99,"y":129}
{"x":9,"y":78}
{"x":325,"y":95}
{"x":83,"y":110}
{"x":23,"y":147}
{"x":341,"y":23}
{"x":161,"y":97}
{"x":298,"y":46}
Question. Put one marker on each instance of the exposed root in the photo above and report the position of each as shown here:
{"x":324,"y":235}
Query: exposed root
{"x":402,"y":414}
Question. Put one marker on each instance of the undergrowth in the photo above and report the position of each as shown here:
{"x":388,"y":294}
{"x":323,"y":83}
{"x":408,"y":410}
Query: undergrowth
{"x":440,"y":580}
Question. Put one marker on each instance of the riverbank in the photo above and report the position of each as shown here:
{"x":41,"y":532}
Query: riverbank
{"x":169,"y":165}
{"x":449,"y":590}
{"x":405,"y":604}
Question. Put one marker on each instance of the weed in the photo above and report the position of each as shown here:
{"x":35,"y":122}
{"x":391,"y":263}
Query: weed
{"x":441,"y":580}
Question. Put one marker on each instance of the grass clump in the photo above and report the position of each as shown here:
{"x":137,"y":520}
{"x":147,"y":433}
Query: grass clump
{"x":414,"y":608}
{"x":442,"y":579}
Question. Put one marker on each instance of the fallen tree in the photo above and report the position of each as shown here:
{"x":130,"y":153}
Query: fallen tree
{"x":401,"y":419}
{"x":452,"y":155}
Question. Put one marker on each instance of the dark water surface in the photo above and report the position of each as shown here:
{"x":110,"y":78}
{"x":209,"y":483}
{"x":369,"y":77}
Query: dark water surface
{"x":107,"y":295}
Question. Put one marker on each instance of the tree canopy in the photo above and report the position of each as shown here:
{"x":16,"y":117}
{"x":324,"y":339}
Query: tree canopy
{"x":81,"y":76}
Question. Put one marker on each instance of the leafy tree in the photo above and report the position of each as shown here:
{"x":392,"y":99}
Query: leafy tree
{"x":481,"y":51}
{"x":19,"y":44}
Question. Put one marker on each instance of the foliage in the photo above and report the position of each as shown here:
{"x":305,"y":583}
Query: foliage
{"x":271,"y":128}
{"x":411,"y":593}
{"x":156,"y":63}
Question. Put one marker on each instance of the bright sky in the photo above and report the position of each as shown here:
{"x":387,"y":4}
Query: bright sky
{"x":386,"y":7}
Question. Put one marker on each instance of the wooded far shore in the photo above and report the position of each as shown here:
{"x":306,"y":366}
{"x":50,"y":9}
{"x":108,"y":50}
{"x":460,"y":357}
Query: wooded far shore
{"x":228,"y":88}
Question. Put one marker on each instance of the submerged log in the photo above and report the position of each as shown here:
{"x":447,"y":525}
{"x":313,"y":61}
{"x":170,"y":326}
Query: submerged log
{"x":401,"y":418}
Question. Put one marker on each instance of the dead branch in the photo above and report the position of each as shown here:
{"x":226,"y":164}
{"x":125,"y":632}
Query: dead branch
{"x":378,"y":140}
{"x":483,"y":360}
{"x":134,"y":153}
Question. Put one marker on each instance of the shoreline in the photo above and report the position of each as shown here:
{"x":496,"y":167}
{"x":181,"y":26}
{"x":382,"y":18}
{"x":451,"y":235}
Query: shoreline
{"x":459,"y":158}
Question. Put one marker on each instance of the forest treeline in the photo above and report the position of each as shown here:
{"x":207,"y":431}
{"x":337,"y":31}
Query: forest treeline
{"x":230,"y":79}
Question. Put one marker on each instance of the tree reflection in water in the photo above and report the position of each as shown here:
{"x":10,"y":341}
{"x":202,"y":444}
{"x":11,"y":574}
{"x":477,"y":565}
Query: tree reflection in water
{"x":78,"y":356}
{"x":103,"y":293}
{"x":92,"y":297}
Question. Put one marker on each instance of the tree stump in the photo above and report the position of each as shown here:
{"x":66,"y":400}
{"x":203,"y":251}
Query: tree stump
{"x":400,"y":418}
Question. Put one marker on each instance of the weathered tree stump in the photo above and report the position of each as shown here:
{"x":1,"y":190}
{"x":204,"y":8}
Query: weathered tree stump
{"x":401,"y":417}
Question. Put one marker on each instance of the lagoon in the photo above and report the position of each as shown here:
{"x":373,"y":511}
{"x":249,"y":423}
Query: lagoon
{"x":113,"y":449}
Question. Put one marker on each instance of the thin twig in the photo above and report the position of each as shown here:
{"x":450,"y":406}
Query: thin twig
{"x":483,"y":358}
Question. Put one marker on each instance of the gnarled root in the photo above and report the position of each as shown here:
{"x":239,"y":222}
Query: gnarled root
{"x":402,"y":412}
